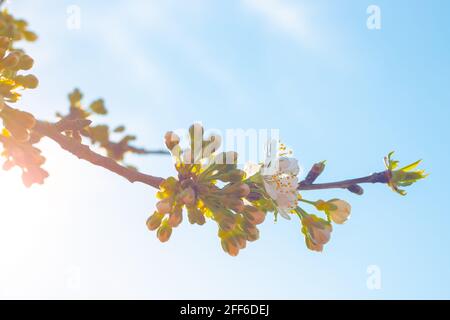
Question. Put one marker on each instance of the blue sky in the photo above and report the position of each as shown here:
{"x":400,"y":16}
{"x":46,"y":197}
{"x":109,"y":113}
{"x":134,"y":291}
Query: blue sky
{"x":312,"y":69}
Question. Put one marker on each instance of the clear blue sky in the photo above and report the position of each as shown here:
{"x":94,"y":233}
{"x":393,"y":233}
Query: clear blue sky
{"x":336,"y":90}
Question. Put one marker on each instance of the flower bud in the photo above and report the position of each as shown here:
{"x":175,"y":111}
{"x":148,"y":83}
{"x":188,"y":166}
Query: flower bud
{"x":317,"y":229}
{"x":187,"y":196}
{"x":240,"y":189}
{"x":241,"y":241}
{"x":164,"y":206}
{"x":28,"y":81}
{"x":154,"y":221}
{"x":30,"y":36}
{"x":315,"y":172}
{"x":195,"y":216}
{"x":211,"y":145}
{"x":311,"y":245}
{"x":164,"y":232}
{"x":26,"y":62}
{"x":4,"y":42}
{"x":230,"y":248}
{"x":227,"y":223}
{"x":196,"y":132}
{"x":252,"y":233}
{"x":244,"y":190}
{"x":254,"y":215}
{"x":356,"y":189}
{"x":11,"y":60}
{"x":171,"y":140}
{"x":235,"y":204}
{"x":175,"y":217}
{"x":341,"y":211}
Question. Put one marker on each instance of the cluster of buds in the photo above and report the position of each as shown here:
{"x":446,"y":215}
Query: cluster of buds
{"x":25,"y":156}
{"x":16,"y":134}
{"x":99,"y":134}
{"x":317,"y":231}
{"x":236,"y":230}
{"x":12,"y":61}
{"x":15,"y":29}
{"x":17,"y":123}
{"x":200,"y":168}
{"x":403,"y":177}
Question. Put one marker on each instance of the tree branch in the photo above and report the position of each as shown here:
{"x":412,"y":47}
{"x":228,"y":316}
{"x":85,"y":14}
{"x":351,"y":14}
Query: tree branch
{"x":84,"y":152}
{"x":379,"y":177}
{"x":79,"y":124}
{"x":52,"y":131}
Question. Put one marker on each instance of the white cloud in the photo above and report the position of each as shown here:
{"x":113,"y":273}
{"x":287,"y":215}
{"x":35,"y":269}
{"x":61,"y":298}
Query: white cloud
{"x":283,"y":16}
{"x":162,"y":18}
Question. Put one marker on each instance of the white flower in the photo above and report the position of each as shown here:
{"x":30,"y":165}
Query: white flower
{"x":288,"y":166}
{"x":279,"y":175}
{"x":282,"y":185}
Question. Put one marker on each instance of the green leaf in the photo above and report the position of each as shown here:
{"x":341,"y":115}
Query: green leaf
{"x":98,"y":106}
{"x":411,"y":166}
{"x":119,"y":129}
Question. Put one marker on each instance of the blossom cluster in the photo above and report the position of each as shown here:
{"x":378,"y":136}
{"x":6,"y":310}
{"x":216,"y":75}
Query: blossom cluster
{"x":16,"y":135}
{"x":209,"y":185}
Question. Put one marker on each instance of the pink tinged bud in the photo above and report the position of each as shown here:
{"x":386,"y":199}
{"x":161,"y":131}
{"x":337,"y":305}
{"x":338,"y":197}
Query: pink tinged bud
{"x":311,"y":245}
{"x":242,"y":243}
{"x":175,"y":219}
{"x":252,"y":234}
{"x":227,"y":223}
{"x":230,"y":247}
{"x":188,"y":196}
{"x":195,"y":216}
{"x":171,"y":140}
{"x":164,"y":232}
{"x":341,"y":212}
{"x":154,"y":221}
{"x":164,"y":206}
{"x":237,"y":205}
{"x":320,"y":235}
{"x":254,"y":215}
{"x":244,"y":190}
{"x":316,"y":229}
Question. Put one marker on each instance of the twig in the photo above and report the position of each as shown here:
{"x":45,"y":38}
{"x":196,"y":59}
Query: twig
{"x":79,"y":124}
{"x":379,"y":177}
{"x":84,"y":152}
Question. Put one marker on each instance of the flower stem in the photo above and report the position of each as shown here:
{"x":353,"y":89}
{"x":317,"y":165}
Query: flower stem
{"x":378,"y":177}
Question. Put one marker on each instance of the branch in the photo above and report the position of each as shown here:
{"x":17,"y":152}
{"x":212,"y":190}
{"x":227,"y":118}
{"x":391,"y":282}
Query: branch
{"x":79,"y":124}
{"x":379,"y":177}
{"x":84,"y":152}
